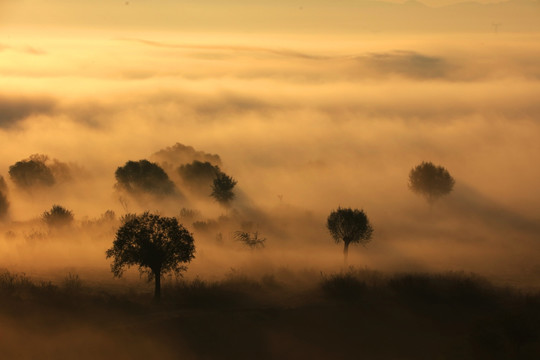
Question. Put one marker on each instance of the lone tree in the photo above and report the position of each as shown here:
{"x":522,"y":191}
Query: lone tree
{"x":58,"y":217}
{"x":144,"y":176}
{"x":349,"y":226}
{"x":222,"y":189}
{"x":430,"y":181}
{"x":157,"y":245}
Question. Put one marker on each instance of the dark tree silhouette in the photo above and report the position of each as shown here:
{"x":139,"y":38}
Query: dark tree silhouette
{"x":349,"y":226}
{"x":144,"y":176}
{"x":198,"y":175}
{"x":4,"y":203}
{"x":173,"y":156}
{"x":222,"y":189}
{"x":58,"y":217}
{"x":157,"y":245}
{"x":430,"y":181}
{"x":31,"y":172}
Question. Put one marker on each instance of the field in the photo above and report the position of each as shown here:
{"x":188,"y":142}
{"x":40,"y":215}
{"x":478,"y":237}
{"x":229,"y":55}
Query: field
{"x":287,"y":314}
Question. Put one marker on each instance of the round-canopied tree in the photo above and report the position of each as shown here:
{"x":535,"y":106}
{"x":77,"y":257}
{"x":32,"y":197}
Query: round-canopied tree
{"x":350,"y":226}
{"x":144,"y":176}
{"x":430,"y":181}
{"x":156,"y":244}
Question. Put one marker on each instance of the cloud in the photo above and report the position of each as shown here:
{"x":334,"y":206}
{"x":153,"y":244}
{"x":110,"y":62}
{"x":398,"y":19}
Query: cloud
{"x":406,"y":63}
{"x":14,"y":110}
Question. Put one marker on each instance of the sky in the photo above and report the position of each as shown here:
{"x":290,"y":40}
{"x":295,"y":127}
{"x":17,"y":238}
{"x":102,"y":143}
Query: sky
{"x":306,"y":115}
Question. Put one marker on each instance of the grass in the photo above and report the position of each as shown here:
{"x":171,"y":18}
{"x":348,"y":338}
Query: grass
{"x":353,"y":314}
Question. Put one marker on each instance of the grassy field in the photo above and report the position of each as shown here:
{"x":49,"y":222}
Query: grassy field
{"x":285,"y":315}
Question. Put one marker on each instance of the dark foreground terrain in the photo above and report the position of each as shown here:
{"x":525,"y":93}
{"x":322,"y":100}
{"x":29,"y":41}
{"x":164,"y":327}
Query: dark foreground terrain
{"x":354,"y":315}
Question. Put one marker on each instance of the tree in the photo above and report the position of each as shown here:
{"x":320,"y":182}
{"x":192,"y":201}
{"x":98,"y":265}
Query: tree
{"x":31,"y":172}
{"x":349,"y":226}
{"x":157,"y":245}
{"x":4,"y":203}
{"x":144,"y":176}
{"x":430,"y":181}
{"x":199,"y":175}
{"x":58,"y":217}
{"x":222,"y":189}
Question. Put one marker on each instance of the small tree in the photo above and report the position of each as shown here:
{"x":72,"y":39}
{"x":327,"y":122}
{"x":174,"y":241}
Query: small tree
{"x":157,"y":245}
{"x":430,"y":181}
{"x":349,"y":226}
{"x":58,"y":217}
{"x":222,"y":189}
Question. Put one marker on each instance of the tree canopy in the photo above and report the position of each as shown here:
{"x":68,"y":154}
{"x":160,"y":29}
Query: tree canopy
{"x":58,"y":216}
{"x":222,"y":189}
{"x":198,"y":175}
{"x":430,"y":181}
{"x":350,"y":226}
{"x":31,"y":172}
{"x":156,"y":244}
{"x":144,"y":176}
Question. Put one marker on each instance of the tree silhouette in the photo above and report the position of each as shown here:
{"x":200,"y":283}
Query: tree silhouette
{"x":222,"y":189}
{"x":157,"y":245}
{"x":430,"y":181}
{"x":349,"y":226}
{"x":4,"y":203}
{"x":199,"y":175}
{"x":31,"y":172}
{"x":144,"y":176}
{"x":58,"y":217}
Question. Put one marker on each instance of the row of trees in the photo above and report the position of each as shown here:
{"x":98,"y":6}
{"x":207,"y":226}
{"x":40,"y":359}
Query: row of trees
{"x":158,"y":245}
{"x":147,"y":177}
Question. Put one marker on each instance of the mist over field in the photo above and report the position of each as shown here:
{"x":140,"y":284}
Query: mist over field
{"x":306,"y":119}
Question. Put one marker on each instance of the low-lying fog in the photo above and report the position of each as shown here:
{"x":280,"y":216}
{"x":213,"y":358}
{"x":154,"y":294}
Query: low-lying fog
{"x":304,"y":124}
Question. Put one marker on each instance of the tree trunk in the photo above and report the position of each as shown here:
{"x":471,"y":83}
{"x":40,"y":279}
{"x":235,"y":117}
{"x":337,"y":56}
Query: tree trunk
{"x":157,"y":288}
{"x":345,"y":253}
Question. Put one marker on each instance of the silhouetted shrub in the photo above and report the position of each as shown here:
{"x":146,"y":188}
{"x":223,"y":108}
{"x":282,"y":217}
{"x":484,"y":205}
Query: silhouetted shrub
{"x":144,"y":176}
{"x":58,"y":216}
{"x":251,"y":240}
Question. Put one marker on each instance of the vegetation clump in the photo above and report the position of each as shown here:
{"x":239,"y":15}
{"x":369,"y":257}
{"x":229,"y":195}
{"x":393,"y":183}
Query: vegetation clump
{"x":157,"y":245}
{"x":350,"y":226}
{"x":430,"y":181}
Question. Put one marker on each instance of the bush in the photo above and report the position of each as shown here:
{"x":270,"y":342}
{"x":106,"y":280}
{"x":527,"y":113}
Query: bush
{"x":58,"y":216}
